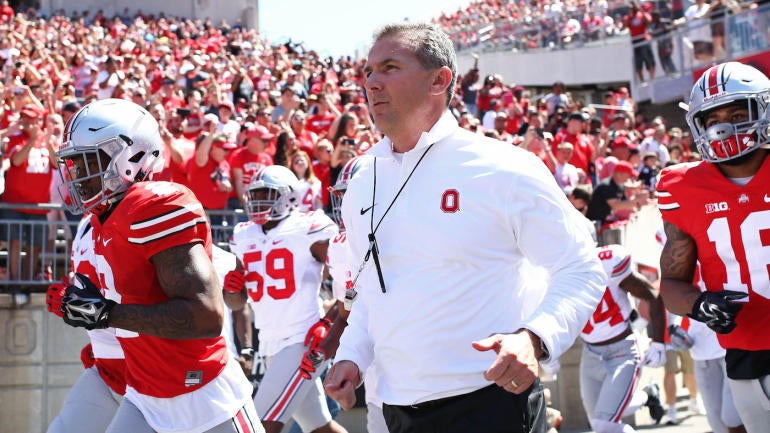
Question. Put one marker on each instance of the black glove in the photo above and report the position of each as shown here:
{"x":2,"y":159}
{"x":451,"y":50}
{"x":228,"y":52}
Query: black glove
{"x":86,"y":307}
{"x":718,"y":309}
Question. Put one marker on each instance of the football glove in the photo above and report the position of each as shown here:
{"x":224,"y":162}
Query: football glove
{"x":311,"y":360}
{"x":86,"y":307}
{"x":718,"y":309}
{"x":54,"y":295}
{"x":235,"y":281}
{"x":655,"y":356}
{"x":317,"y":333}
{"x":680,"y":339}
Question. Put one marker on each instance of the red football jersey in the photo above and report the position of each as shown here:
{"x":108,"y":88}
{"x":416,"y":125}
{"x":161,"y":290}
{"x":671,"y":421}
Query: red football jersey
{"x":152,"y":217}
{"x":731,"y":228}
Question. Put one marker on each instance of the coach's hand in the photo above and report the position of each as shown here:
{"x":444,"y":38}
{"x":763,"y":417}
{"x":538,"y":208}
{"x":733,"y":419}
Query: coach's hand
{"x":341,"y":383}
{"x":516,"y":367}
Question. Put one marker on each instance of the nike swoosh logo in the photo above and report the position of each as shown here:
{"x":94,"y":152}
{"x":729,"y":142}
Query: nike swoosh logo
{"x":97,"y":129}
{"x":276,"y":242}
{"x":767,"y":198}
{"x":91,"y":310}
{"x":365,"y":210}
{"x":106,"y":241}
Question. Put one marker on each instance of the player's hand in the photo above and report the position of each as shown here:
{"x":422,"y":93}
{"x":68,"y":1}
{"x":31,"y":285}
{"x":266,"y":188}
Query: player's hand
{"x":54,"y":295}
{"x":87,"y":356}
{"x":718,"y":309}
{"x":341,"y":383}
{"x":311,"y":360}
{"x":317,"y":333}
{"x":655,"y":356}
{"x":86,"y":307}
{"x":235,"y":281}
{"x":515,"y":368}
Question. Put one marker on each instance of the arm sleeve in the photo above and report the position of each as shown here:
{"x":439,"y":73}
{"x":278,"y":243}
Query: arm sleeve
{"x":550,"y":233}
{"x":355,"y":343}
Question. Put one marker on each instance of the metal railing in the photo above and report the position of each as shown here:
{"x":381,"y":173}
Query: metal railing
{"x":35,"y":253}
{"x":700,"y":43}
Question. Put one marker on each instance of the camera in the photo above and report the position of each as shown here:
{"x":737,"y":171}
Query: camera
{"x":183,"y":112}
{"x":348,"y":142}
{"x":17,"y":65}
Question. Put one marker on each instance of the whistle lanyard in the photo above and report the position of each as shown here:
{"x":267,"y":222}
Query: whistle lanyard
{"x":373,"y":250}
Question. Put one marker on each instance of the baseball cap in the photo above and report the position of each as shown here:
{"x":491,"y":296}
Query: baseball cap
{"x":625,"y":167}
{"x":32,"y":111}
{"x":223,"y":142}
{"x":623,"y":141}
{"x":578,"y":115}
{"x":259,"y":131}
{"x":501,"y":115}
{"x":226,"y":104}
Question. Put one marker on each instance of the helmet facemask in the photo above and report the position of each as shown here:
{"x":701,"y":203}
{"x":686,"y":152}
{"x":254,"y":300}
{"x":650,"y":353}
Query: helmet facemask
{"x":336,"y":193}
{"x":725,"y":141}
{"x":268,"y":204}
{"x":80,"y":167}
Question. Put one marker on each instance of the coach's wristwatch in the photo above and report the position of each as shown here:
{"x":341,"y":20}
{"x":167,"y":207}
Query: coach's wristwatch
{"x":247,"y":352}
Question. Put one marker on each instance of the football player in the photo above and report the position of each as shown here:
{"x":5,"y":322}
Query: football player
{"x":342,"y":268}
{"x":94,"y":398}
{"x":152,"y":244}
{"x":717,"y":212}
{"x":281,"y":254}
{"x":611,"y":360}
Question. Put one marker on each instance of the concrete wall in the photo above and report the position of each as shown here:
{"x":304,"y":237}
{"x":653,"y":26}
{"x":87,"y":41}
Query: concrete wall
{"x":601,"y":64}
{"x":39,"y":362}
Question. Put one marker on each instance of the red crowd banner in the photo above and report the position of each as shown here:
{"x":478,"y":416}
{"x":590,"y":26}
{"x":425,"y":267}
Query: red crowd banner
{"x":760,"y":61}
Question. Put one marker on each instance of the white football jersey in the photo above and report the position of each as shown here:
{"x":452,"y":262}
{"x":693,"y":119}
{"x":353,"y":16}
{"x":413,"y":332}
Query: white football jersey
{"x":283,"y":278}
{"x":103,"y":341}
{"x":339,"y":260}
{"x":309,"y":194}
{"x":610,"y":317}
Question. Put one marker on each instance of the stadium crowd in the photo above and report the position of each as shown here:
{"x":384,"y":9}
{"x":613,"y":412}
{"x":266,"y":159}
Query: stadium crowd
{"x":229,"y":102}
{"x":518,"y":25}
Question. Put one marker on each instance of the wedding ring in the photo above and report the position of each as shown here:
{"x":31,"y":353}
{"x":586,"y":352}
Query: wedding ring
{"x":514,"y":384}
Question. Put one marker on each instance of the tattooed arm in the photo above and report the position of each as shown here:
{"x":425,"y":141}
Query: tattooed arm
{"x":677,"y":268}
{"x":194,"y":308}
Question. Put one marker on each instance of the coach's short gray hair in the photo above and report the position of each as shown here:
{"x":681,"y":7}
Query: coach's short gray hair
{"x":429,"y":44}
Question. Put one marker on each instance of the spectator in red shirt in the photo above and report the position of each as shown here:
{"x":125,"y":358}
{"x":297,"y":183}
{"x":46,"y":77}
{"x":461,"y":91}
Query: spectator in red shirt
{"x":322,"y":119}
{"x":305,"y":139}
{"x":248,"y":159}
{"x":322,"y":168}
{"x":209,"y":173}
{"x":27,"y":182}
{"x":637,"y":21}
{"x":583,"y":153}
{"x":6,"y":12}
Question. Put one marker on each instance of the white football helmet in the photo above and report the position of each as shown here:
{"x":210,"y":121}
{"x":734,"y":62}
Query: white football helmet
{"x":337,"y":191}
{"x":720,"y":85}
{"x":113,"y":140}
{"x":281,"y":185}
